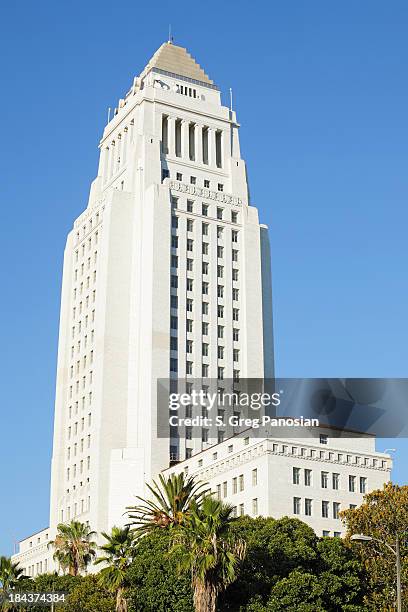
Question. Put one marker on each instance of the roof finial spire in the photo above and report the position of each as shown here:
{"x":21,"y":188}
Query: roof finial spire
{"x":170,"y":40}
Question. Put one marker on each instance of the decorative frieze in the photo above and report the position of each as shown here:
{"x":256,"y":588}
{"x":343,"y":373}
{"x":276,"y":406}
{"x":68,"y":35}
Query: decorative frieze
{"x":204,"y":192}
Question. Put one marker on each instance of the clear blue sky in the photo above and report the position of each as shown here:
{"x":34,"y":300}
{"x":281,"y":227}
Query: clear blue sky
{"x":322,"y":94}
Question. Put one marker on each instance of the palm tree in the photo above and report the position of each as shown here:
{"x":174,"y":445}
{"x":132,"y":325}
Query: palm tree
{"x":171,"y":503}
{"x":118,"y":555}
{"x":74,"y":548}
{"x":208,"y":549}
{"x":10,"y":575}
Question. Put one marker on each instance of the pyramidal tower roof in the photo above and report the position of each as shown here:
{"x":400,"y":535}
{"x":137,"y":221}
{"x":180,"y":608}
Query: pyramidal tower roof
{"x":177,"y":60}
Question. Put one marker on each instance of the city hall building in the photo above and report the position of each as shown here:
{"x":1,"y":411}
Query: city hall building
{"x":167,"y":275}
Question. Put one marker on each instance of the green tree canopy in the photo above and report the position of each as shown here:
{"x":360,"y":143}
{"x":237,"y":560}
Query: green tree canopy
{"x":383,"y":515}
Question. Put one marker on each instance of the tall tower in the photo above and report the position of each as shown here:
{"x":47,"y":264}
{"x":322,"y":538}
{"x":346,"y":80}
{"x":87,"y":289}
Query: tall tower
{"x":166,"y":273}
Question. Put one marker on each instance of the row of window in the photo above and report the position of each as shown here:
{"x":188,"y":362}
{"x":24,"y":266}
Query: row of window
{"x":115,"y":155}
{"x":78,"y":328}
{"x":83,"y":506}
{"x":82,"y":344}
{"x":80,"y":468}
{"x":74,"y":429}
{"x":205,"y":248}
{"x":73,"y":452}
{"x":240,"y":509}
{"x":85,"y":360}
{"x":80,"y":271}
{"x":86,"y":228}
{"x":325,"y":478}
{"x":191,"y":207}
{"x":328,"y":510}
{"x":205,"y":370}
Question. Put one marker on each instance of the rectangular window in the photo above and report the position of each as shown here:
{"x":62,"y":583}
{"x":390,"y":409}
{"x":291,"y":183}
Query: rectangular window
{"x":241,"y":482}
{"x":205,"y":288}
{"x":308,"y":478}
{"x":336,"y":510}
{"x":325,"y":509}
{"x":220,"y":212}
{"x":205,"y":328}
{"x":255,"y":507}
{"x":220,"y":331}
{"x":235,"y":274}
{"x":254,"y":477}
{"x":363,"y":484}
{"x":235,"y":314}
{"x":234,"y":216}
{"x":205,"y":267}
{"x":205,"y":229}
{"x":205,"y":248}
{"x":235,"y":334}
{"x":323,"y":439}
{"x":220,"y":352}
{"x":325,"y":480}
{"x":189,"y":265}
{"x":190,"y":205}
{"x":352,"y":484}
{"x":204,"y":210}
{"x":190,"y":244}
{"x":220,"y":311}
{"x":296,"y":505}
{"x":206,"y":183}
{"x":234,"y":235}
{"x":235,"y":485}
{"x":308,"y":507}
{"x":296,"y":475}
{"x":220,"y":291}
{"x":190,"y":225}
{"x":204,"y":349}
{"x":205,"y":308}
{"x":189,"y":324}
{"x":189,"y":284}
{"x":204,"y":435}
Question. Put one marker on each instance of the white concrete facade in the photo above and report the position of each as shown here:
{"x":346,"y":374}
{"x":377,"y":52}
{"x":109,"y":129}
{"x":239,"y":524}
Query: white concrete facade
{"x":166,"y":261}
{"x":166,"y":274}
{"x":300,"y":478}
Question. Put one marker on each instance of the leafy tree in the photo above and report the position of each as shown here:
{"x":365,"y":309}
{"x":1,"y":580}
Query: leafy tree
{"x":89,"y":596}
{"x":287,"y":567}
{"x":117,"y":554}
{"x":155,"y":584}
{"x":384,"y":516}
{"x":74,"y":548}
{"x":209,"y":550}
{"x":274,"y":549}
{"x":170,"y":503}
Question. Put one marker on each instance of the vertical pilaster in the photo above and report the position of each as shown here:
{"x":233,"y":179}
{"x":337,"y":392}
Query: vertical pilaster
{"x":211,"y":148}
{"x":184,"y":139}
{"x":171,"y":135}
{"x":198,"y":143}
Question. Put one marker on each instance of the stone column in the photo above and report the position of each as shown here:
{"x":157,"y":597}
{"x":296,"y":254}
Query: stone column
{"x":184,"y":139}
{"x":198,"y":143}
{"x":211,"y":148}
{"x":171,"y":136}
